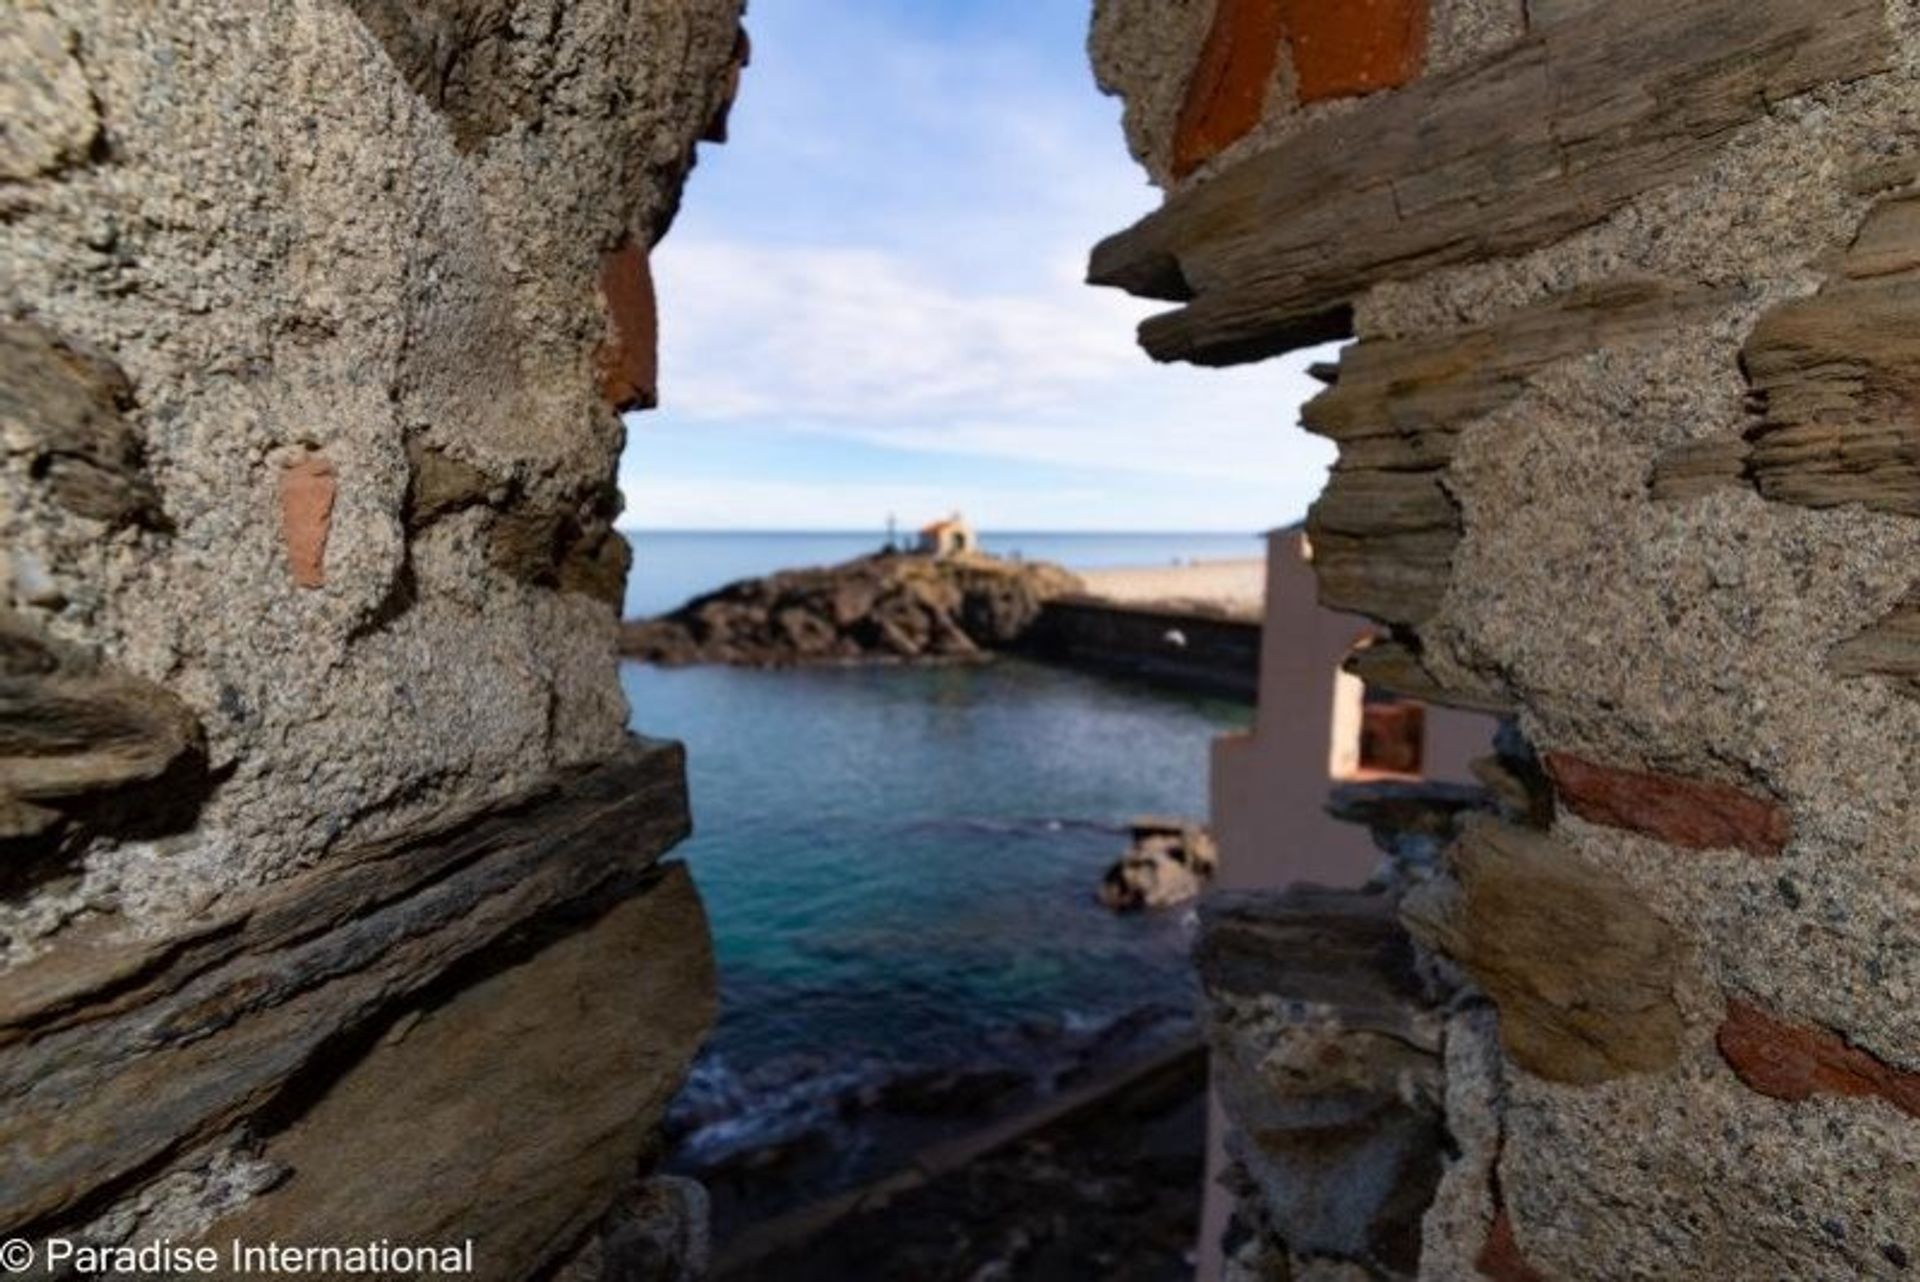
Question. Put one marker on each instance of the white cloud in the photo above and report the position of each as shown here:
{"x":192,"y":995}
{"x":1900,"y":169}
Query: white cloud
{"x":867,"y":345}
{"x":894,"y":256}
{"x":679,"y":503}
{"x":863,"y":336}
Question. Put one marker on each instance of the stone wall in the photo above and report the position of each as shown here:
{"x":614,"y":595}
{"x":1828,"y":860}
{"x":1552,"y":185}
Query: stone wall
{"x":318,"y":319}
{"x":1630,"y":450}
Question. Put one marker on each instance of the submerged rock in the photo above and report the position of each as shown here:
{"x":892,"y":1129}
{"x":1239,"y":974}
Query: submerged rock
{"x":895,"y":606}
{"x":1169,"y":862}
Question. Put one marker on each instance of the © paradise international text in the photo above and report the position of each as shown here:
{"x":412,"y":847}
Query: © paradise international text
{"x":165,"y":1258}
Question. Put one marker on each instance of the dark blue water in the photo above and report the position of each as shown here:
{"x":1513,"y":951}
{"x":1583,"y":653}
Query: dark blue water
{"x":900,"y":865}
{"x":671,"y":566}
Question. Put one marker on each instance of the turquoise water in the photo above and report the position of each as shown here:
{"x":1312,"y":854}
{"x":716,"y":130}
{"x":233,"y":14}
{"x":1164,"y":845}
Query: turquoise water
{"x":900,"y":864}
{"x":671,"y":566}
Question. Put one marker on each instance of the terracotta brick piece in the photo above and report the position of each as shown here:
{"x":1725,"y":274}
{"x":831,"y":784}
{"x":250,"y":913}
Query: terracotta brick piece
{"x":307,"y":488}
{"x":1346,"y":47}
{"x":1696,"y":813}
{"x":1228,"y":89}
{"x":1795,"y":1062}
{"x":629,"y":360}
{"x":1500,"y":1258}
{"x":1340,"y":48}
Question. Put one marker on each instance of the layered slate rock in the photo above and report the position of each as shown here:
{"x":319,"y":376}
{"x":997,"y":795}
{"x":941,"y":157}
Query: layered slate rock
{"x":83,"y":743}
{"x":494,"y":1105}
{"x":1838,"y":378}
{"x":63,"y":415}
{"x":1626,"y":453}
{"x":1582,"y":970}
{"x":1889,"y":648}
{"x":1384,"y":530}
{"x":118,"y":1052}
{"x":1835,"y":379}
{"x":1499,"y":157}
{"x":1832,"y":377}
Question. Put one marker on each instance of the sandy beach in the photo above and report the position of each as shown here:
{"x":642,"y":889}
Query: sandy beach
{"x":1235,"y":587}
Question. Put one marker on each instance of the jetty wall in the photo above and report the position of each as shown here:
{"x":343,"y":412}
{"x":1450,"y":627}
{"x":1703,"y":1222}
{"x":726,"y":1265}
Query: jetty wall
{"x":1180,"y":649}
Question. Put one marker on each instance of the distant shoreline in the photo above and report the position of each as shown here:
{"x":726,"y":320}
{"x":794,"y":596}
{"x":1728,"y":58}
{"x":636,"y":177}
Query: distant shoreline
{"x":1236,"y":588}
{"x":879,"y":536}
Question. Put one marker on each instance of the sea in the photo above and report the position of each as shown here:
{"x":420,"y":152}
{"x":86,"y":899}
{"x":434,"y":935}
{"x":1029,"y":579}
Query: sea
{"x":900,"y":865}
{"x":671,"y":567}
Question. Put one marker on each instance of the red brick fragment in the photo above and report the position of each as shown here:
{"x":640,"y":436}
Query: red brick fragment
{"x":307,"y":489}
{"x":1794,"y":1062}
{"x":629,"y":359}
{"x":1500,"y":1257}
{"x":1340,"y":48}
{"x":1696,"y":813}
{"x":1228,"y":89}
{"x":1346,"y":47}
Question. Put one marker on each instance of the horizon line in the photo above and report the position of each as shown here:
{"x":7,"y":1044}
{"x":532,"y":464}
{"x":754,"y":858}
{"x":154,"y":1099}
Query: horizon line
{"x":881,"y":533}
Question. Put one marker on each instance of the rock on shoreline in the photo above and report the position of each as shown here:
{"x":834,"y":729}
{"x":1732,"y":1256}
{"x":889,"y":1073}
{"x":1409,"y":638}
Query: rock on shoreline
{"x":1169,"y":861}
{"x":890,"y":606}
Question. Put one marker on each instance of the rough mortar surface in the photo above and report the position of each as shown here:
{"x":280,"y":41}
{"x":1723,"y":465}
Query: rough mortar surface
{"x":287,"y":247}
{"x":1687,"y":638}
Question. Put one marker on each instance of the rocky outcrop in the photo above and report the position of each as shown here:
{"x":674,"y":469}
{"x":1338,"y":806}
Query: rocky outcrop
{"x":889,"y":606}
{"x":1168,"y":861}
{"x":333,"y":905}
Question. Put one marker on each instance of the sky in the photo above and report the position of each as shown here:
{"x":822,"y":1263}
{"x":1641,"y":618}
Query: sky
{"x":873,"y":301}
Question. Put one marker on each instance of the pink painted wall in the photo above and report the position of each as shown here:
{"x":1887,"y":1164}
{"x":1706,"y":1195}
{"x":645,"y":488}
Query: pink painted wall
{"x":1269,"y":785}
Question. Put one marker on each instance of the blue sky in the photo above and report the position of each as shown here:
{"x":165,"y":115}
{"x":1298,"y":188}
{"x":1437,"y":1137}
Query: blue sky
{"x":872,"y":301}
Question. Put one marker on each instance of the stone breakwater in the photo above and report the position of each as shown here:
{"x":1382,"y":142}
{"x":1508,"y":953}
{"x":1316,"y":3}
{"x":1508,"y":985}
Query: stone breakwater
{"x":888,"y":606}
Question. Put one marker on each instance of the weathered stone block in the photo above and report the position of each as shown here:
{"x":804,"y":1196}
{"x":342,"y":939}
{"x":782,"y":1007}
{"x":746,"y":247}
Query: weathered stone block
{"x":1582,"y":971}
{"x":119,"y":1051}
{"x":1889,"y":648}
{"x":62,"y":411}
{"x":513,"y":1111}
{"x":81,"y":740}
{"x":1326,"y":1058}
{"x":1838,"y":378}
{"x":1496,"y":158}
{"x":1385,"y":529}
